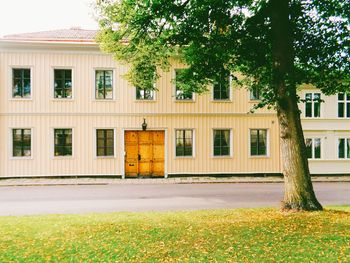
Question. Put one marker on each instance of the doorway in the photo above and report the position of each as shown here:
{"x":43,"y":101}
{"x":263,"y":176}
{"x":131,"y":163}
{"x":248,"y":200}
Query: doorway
{"x":144,"y":153}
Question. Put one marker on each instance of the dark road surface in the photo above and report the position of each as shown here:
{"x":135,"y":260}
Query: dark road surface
{"x":30,"y":200}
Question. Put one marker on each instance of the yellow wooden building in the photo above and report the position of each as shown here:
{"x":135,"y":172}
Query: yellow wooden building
{"x":66,"y":110}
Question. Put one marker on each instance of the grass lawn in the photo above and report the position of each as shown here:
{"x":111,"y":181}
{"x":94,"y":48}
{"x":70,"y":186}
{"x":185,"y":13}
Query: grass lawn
{"x":244,"y":235}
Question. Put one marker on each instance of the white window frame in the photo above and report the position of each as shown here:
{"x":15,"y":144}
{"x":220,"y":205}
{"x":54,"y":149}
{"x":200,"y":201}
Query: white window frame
{"x":114,"y":89}
{"x":53,"y":83}
{"x":10,"y":144}
{"x":193,"y":144}
{"x":10,"y":77}
{"x":337,"y":147}
{"x":313,"y":147}
{"x":114,"y":142}
{"x":174,"y":89}
{"x":267,"y":155}
{"x":312,"y":104}
{"x":230,"y":155}
{"x":143,"y":100}
{"x":53,"y":143}
{"x":345,"y":101}
{"x":230,"y":96}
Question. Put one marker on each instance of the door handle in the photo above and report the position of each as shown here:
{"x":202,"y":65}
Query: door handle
{"x":139,"y":157}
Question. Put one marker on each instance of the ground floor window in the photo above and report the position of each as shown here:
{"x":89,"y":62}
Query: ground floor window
{"x":221,"y":142}
{"x":105,"y":142}
{"x":313,"y":148}
{"x":21,"y":142}
{"x":63,"y":142}
{"x":258,"y":142}
{"x":344,"y":148}
{"x":184,"y":142}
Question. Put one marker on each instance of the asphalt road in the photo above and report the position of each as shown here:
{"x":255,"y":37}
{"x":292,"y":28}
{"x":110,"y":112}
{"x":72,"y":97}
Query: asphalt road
{"x":31,"y":200}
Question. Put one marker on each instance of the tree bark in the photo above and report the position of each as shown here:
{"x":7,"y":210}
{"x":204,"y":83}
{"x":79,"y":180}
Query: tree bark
{"x":299,"y":193}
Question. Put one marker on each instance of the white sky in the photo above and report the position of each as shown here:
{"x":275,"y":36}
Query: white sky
{"x":24,"y":16}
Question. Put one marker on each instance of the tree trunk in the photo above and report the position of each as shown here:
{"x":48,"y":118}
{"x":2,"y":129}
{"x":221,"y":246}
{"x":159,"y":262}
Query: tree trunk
{"x":299,"y":193}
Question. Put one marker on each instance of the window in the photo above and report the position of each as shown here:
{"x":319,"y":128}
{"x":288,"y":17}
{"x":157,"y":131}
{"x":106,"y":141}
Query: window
{"x":181,"y":94}
{"x":63,"y":142}
{"x":313,"y":148}
{"x":62,"y":83}
{"x":104,"y":84}
{"x":221,"y":89}
{"x":258,"y":142}
{"x":255,"y":93}
{"x":184,"y":142}
{"x":21,"y":83}
{"x":343,"y":105}
{"x":144,"y":94}
{"x":344,"y":148}
{"x":221,"y":142}
{"x":105,"y":142}
{"x":21,"y":142}
{"x":313,"y":105}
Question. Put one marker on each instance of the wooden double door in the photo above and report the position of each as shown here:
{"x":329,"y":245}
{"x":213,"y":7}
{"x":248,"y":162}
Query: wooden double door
{"x":144,"y":153}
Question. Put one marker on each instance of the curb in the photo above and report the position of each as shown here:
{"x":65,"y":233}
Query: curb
{"x":192,"y":180}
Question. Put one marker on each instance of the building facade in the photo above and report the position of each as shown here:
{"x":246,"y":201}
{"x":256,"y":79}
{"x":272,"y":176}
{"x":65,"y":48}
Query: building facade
{"x":66,"y":110}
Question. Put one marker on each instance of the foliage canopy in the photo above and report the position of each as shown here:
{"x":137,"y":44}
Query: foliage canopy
{"x":215,"y":36}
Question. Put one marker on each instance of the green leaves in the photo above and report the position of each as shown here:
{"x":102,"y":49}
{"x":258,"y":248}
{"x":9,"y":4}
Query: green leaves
{"x":210,"y":36}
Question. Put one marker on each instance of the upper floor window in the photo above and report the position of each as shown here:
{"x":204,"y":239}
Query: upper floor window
{"x":221,"y":142}
{"x":21,"y":142}
{"x":344,"y":148}
{"x":343,"y":105}
{"x":221,"y":89}
{"x":255,"y":93}
{"x":62,"y":83}
{"x":184,"y":142}
{"x":258,"y":142}
{"x":179,"y":93}
{"x":144,"y":94}
{"x":21,"y":83}
{"x":313,"y":148}
{"x":105,"y":142}
{"x":104,"y":84}
{"x":63,"y":142}
{"x":313,"y":105}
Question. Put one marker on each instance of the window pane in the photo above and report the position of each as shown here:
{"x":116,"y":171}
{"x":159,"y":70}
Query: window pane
{"x":317,"y":148}
{"x":110,"y":151}
{"x":341,"y":109}
{"x":317,"y":109}
{"x":188,"y":134}
{"x":308,"y":109}
{"x":188,"y":151}
{"x":341,"y":148}
{"x":308,"y":143}
{"x":348,"y":110}
{"x":348,"y":148}
{"x":340,"y":96}
{"x":253,"y":142}
{"x":100,"y":151}
{"x":26,"y":88}
{"x":179,"y":151}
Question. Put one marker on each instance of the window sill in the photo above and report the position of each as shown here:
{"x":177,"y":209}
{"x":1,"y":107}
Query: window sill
{"x":259,"y":156}
{"x":184,"y":101}
{"x":222,"y":157}
{"x":221,"y":101}
{"x":184,"y":157}
{"x":145,"y":101}
{"x":63,"y":99}
{"x":105,"y":157}
{"x":21,"y":158}
{"x":62,"y":157}
{"x":20,"y":99}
